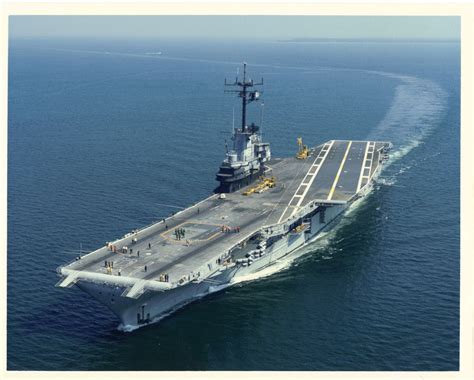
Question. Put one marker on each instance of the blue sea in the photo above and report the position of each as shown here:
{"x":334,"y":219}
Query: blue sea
{"x":104,"y":138}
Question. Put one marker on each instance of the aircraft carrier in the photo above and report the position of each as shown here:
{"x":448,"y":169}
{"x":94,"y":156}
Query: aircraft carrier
{"x":263,"y":209}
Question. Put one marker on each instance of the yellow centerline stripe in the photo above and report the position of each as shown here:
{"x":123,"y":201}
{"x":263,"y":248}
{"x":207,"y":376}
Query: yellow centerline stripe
{"x":333,"y":188}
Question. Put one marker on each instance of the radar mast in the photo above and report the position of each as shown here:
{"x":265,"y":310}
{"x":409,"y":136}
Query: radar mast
{"x":248,"y":96}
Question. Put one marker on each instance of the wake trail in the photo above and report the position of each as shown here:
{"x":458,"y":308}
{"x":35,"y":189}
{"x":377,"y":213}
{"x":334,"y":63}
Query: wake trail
{"x":415,"y":112}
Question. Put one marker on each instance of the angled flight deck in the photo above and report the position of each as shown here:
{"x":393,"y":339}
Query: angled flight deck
{"x":338,"y":170}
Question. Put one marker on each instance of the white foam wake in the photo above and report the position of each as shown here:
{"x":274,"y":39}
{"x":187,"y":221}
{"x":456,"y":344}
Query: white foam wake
{"x":415,"y":111}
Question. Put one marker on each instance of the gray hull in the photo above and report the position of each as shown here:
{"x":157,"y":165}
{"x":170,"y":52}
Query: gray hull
{"x":153,"y":306}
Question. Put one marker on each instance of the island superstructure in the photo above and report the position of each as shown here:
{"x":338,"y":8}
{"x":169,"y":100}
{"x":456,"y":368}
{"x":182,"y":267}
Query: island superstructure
{"x":245,"y":162}
{"x":263,"y":210}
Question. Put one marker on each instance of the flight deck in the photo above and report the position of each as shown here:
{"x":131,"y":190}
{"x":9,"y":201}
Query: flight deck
{"x":334,"y":172}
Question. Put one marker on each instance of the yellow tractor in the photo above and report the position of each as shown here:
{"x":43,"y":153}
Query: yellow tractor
{"x":263,"y":185}
{"x":303,"y":151}
{"x":270,"y":182}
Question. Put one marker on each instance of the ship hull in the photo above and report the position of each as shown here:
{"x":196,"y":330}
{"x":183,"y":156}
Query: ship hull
{"x":153,"y":306}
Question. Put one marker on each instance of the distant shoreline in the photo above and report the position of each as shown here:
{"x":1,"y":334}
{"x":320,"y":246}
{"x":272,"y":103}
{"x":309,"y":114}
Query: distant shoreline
{"x":358,"y":40}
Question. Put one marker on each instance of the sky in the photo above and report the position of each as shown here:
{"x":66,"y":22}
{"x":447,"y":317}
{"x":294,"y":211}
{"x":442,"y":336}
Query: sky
{"x":244,"y":27}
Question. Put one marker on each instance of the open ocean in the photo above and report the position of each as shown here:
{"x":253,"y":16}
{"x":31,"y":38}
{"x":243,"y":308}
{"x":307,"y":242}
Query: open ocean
{"x":102,"y":135}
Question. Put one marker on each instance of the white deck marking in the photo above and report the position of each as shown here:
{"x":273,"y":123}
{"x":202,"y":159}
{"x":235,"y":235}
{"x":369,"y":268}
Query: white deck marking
{"x":369,"y":149}
{"x":315,"y":167}
{"x":336,"y":179}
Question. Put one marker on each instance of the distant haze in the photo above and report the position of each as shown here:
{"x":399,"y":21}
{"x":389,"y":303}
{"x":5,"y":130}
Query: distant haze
{"x":245,"y":27}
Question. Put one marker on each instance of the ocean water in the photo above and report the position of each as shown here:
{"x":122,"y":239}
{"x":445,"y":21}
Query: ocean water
{"x":101,"y":136}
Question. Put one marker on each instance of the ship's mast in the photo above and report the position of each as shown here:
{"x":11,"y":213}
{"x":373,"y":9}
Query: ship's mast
{"x":247,"y":96}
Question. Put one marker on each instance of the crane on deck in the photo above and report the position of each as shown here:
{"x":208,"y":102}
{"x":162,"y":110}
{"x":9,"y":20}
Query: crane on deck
{"x":303,"y":151}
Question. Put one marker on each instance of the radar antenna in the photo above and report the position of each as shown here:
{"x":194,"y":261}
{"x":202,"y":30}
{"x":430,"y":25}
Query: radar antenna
{"x":248,"y":96}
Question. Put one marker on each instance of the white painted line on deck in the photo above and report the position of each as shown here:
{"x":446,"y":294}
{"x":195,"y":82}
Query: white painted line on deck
{"x":315,"y":166}
{"x":369,"y":150}
{"x":362,"y":166}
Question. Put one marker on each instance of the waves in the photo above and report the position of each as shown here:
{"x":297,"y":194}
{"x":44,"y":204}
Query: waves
{"x":415,"y":111}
